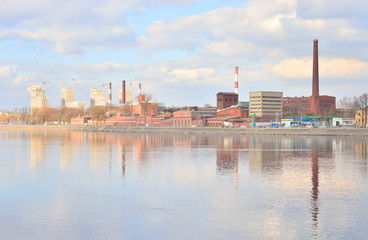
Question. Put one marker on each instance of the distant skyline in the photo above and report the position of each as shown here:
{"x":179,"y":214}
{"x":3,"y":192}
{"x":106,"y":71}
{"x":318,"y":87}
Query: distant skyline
{"x":183,"y":52}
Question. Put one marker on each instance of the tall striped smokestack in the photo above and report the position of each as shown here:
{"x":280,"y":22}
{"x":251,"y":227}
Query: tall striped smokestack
{"x":110,"y":92}
{"x":140,"y":89}
{"x":236,"y":80}
{"x":315,"y":87}
{"x":123,"y":99}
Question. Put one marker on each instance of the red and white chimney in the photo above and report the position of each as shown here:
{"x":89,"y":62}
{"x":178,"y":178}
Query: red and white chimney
{"x":110,"y":92}
{"x":236,"y":80}
{"x":139,"y":89}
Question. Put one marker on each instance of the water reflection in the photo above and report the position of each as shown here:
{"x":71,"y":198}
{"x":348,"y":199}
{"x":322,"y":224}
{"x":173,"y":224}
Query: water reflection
{"x":281,"y":183}
{"x":265,"y":156}
{"x":315,"y":191}
{"x":227,"y":156}
{"x":38,"y":150}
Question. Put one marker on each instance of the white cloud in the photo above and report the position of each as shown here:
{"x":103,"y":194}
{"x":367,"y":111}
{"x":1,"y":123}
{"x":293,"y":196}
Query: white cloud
{"x":260,"y":29}
{"x":109,"y":67}
{"x":204,"y":76}
{"x":8,"y":72}
{"x":24,"y":79}
{"x":328,"y":68}
{"x":72,"y":26}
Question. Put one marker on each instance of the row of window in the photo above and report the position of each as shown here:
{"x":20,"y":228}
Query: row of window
{"x":182,"y":122}
{"x":230,"y":99}
{"x":273,"y":108}
{"x":268,"y":104}
{"x":265,"y":97}
{"x":297,"y":101}
{"x":267,"y":101}
{"x":215,"y":124}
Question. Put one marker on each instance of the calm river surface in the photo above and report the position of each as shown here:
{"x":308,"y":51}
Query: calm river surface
{"x":78,"y":185}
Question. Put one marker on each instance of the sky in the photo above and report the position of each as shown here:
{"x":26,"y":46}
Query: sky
{"x":182,"y":52}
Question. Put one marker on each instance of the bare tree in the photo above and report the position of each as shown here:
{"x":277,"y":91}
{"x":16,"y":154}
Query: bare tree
{"x":147,"y":105}
{"x":127,"y":109}
{"x":361,"y":103}
{"x":294,"y":109}
{"x":41,"y":115}
{"x":96,"y":112}
{"x":345,"y":103}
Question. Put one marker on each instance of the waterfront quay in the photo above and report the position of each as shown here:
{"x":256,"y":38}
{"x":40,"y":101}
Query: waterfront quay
{"x":338,"y":131}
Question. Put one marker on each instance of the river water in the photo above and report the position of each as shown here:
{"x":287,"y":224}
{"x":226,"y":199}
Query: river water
{"x":79,"y":185}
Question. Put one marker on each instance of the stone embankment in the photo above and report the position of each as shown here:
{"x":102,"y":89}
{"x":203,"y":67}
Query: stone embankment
{"x":199,"y":130}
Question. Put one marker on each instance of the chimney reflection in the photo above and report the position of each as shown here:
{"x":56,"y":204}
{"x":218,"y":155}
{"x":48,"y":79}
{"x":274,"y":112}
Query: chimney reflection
{"x":228,"y":157}
{"x":123,"y":163}
{"x":314,"y":209}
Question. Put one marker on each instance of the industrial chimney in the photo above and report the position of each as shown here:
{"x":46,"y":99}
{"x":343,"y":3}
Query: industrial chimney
{"x":110,"y":92}
{"x":139,"y":89}
{"x":236,"y":80}
{"x":315,"y":87}
{"x":123,"y":99}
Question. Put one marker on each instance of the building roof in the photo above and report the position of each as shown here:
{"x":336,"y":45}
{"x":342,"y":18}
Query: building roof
{"x":221,"y":118}
{"x":227,"y":93}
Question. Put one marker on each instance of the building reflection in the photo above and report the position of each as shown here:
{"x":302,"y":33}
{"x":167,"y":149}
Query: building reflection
{"x":228,"y":153}
{"x":37,"y":149}
{"x":70,"y":142}
{"x":265,"y":155}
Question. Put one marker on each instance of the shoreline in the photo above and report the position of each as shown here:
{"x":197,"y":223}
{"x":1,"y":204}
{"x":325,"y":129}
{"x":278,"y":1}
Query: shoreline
{"x":198,"y":130}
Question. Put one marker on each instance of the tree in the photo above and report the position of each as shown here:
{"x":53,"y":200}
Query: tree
{"x":345,"y":103}
{"x":96,"y":112}
{"x":64,"y":114}
{"x":347,"y":107}
{"x":41,"y":115}
{"x":295,"y":109}
{"x":361,"y":103}
{"x":146,"y":102}
{"x":127,"y":109}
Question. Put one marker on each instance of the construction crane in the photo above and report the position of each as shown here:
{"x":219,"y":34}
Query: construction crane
{"x":44,"y":83}
{"x":133,"y":82}
{"x":74,"y":81}
{"x":136,"y":83}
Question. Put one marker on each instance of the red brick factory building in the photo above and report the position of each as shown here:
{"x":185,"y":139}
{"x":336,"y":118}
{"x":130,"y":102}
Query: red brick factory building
{"x":315,"y":105}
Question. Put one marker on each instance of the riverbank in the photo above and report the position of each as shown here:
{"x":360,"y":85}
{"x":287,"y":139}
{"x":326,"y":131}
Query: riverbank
{"x":199,"y":130}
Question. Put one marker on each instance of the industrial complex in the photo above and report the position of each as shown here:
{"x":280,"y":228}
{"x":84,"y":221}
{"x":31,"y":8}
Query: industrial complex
{"x":263,"y":108}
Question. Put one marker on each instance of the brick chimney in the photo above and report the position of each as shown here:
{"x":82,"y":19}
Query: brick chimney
{"x":315,"y":87}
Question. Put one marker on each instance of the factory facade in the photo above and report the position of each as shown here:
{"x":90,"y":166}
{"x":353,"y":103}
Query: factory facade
{"x":315,"y":105}
{"x":263,"y":106}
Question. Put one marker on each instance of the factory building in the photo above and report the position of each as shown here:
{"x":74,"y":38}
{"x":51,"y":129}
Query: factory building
{"x":315,"y":105}
{"x":229,"y":99}
{"x":38,"y":98}
{"x":266,"y":104}
{"x":226,"y":99}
